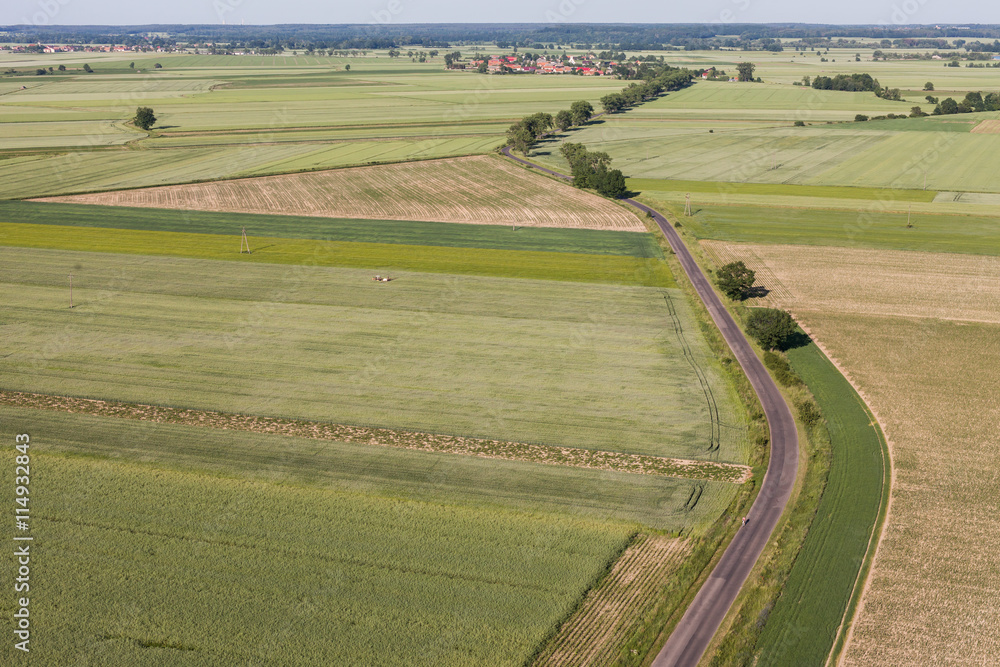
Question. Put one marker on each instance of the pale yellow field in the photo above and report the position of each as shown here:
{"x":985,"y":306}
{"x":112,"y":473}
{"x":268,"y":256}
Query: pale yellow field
{"x":480,"y":189}
{"x":919,"y":334}
{"x":987,"y":127}
{"x":595,"y":633}
{"x":857,"y":280}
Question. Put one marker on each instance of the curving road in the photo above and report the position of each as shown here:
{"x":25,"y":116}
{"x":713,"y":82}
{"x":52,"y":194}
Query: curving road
{"x":687,"y":643}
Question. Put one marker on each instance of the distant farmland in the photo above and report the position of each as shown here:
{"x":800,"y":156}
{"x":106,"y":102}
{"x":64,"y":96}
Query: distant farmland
{"x":470,"y":190}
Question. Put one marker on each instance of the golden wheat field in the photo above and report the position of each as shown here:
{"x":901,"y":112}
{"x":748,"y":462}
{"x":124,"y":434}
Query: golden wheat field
{"x":594,"y":635}
{"x":919,"y":335}
{"x":481,"y":189}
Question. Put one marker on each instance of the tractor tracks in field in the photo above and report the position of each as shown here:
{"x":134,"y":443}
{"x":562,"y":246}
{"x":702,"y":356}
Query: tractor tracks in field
{"x":687,"y":643}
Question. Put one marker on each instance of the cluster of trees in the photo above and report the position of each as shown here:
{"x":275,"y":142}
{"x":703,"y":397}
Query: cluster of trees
{"x":592,"y":169}
{"x":856,"y":82}
{"x":661,"y":79}
{"x":973,"y":102}
{"x":523,"y":134}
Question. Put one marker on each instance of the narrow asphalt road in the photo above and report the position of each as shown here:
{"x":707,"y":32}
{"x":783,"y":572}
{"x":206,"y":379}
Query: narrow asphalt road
{"x":691,"y":637}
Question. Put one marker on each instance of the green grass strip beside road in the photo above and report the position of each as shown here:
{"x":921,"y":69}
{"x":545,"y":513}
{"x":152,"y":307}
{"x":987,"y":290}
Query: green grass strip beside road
{"x":380,"y":257}
{"x":804,"y":624}
{"x":779,"y":189}
{"x":405,"y":232}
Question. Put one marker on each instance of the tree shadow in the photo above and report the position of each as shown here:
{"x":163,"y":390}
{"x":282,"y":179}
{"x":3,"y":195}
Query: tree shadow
{"x":757,"y":292}
{"x":797,"y":339}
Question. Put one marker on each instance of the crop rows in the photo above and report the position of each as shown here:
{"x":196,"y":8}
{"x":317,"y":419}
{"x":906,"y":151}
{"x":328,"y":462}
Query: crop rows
{"x":316,"y":577}
{"x":587,"y":366}
{"x":426,"y":442}
{"x":595,"y":633}
{"x":479,"y":190}
{"x":406,"y":232}
{"x":381,"y":258}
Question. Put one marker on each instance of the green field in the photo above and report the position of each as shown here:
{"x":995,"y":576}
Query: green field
{"x":226,"y":116}
{"x":658,"y":502}
{"x":380,"y":257}
{"x":805,"y":621}
{"x":593,"y":366}
{"x":802,"y":226}
{"x":405,"y":232}
{"x":219,"y":572}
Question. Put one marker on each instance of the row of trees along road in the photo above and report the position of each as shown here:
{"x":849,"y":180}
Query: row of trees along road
{"x":661,"y":78}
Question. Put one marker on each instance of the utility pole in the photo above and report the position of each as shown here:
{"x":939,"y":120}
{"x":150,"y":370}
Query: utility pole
{"x":687,"y":205}
{"x":244,"y":241}
{"x":71,"y":290}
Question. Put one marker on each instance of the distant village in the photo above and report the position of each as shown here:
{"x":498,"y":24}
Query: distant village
{"x":89,"y":48}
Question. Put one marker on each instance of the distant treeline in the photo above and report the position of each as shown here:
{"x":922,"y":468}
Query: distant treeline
{"x":623,"y":37}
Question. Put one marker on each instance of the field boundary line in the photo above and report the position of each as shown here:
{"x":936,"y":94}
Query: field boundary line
{"x":640,"y":464}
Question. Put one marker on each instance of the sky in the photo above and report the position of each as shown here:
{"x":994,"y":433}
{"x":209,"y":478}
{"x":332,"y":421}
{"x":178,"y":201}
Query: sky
{"x":262,"y":12}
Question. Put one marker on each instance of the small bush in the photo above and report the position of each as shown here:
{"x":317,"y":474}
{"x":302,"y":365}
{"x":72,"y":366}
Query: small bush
{"x":799,"y":123}
{"x":808,"y":412}
{"x":860,"y":118}
{"x":783,"y":372}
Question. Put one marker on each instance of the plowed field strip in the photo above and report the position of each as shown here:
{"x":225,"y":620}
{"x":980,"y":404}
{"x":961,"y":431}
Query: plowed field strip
{"x":429,"y":442}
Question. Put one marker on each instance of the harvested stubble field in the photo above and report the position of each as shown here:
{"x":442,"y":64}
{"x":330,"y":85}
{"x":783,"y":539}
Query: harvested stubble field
{"x":147,"y":566}
{"x":588,"y":366}
{"x":380,"y":437}
{"x":482,"y":189}
{"x":933,"y":593}
{"x":917,"y":333}
{"x":883,"y":282}
{"x":987,"y":127}
{"x":597,"y":632}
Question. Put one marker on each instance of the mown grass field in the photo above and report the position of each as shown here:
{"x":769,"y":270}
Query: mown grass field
{"x":219,"y":571}
{"x":805,"y":621}
{"x":379,"y":257}
{"x":593,"y":366}
{"x":476,"y":190}
{"x":405,"y":232}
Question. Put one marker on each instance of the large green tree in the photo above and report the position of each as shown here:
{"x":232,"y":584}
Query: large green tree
{"x":564,"y":119}
{"x":771,"y":328}
{"x":735,"y":280}
{"x":581,"y":112}
{"x":746,"y":71}
{"x":144,"y":118}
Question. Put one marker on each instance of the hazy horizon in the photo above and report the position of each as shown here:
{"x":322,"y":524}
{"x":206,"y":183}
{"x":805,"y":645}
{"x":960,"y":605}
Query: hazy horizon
{"x":384,"y":12}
